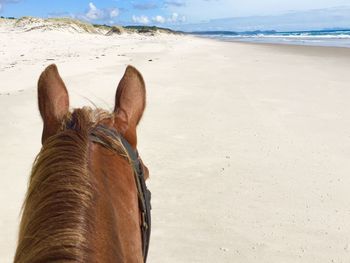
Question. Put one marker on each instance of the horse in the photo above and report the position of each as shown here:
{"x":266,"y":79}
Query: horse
{"x":87,"y":200}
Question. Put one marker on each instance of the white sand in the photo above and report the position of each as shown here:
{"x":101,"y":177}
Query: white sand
{"x":248,"y":145}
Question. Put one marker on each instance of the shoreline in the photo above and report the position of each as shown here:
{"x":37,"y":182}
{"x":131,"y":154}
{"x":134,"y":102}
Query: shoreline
{"x":310,"y":50}
{"x":261,"y":41}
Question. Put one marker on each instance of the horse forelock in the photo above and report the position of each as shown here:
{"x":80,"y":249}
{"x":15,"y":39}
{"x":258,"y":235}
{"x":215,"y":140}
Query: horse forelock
{"x":58,"y":212}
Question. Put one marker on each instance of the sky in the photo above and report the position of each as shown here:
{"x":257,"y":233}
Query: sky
{"x":190,"y":14}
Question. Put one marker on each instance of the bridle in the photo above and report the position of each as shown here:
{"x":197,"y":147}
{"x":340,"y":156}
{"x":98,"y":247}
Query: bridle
{"x":144,"y":195}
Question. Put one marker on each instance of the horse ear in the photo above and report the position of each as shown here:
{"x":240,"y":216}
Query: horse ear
{"x":53,"y":101}
{"x":130,"y":102}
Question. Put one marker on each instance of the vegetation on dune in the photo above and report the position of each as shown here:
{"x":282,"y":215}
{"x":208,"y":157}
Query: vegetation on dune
{"x":102,"y":27}
{"x":69,"y":21}
{"x":32,"y":23}
{"x":9,"y":17}
{"x":115,"y":30}
{"x":150,"y":29}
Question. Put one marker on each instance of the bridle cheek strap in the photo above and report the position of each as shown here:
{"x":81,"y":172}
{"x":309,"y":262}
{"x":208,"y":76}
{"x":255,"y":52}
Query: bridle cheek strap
{"x":144,"y":195}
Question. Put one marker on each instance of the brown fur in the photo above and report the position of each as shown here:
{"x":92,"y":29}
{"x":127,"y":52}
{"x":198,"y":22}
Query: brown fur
{"x":81,"y":204}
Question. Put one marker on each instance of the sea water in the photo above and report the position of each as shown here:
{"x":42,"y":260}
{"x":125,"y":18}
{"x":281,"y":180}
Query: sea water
{"x":333,"y":38}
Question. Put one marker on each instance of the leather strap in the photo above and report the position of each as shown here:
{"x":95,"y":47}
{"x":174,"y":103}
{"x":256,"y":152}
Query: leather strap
{"x":144,"y":195}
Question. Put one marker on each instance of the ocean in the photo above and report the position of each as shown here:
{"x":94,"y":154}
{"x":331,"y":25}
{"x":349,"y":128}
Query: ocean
{"x":333,"y":38}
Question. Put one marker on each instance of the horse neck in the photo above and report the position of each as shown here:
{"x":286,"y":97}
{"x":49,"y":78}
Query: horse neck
{"x":117,"y":219}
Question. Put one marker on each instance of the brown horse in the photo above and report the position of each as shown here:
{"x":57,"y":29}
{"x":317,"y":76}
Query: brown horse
{"x":86,"y":198}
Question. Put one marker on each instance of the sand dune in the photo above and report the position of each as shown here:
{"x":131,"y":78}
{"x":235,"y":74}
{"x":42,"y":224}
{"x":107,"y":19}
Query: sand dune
{"x":27,"y":23}
{"x":247,"y":145}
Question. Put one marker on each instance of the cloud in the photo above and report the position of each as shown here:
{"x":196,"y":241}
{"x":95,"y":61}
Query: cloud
{"x":114,"y":12}
{"x":159,"y":19}
{"x":92,"y":14}
{"x":175,"y":17}
{"x":140,"y":19}
{"x":145,"y":6}
{"x":95,"y":13}
{"x":316,"y":19}
{"x":176,"y":3}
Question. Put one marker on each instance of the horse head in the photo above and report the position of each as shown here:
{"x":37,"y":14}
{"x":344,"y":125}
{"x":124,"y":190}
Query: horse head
{"x":87,"y":200}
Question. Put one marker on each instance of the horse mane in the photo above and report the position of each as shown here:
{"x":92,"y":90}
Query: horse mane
{"x":58,"y":215}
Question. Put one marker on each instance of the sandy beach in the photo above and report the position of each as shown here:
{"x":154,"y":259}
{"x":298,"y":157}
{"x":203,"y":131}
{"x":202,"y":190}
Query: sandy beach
{"x":248,"y":145}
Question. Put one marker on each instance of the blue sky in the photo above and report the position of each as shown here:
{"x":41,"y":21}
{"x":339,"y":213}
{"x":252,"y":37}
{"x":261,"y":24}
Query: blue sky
{"x":188,"y":14}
